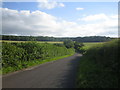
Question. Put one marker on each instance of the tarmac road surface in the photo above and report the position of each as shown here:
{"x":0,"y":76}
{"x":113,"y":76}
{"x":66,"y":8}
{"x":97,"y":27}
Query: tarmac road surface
{"x":56,"y":74}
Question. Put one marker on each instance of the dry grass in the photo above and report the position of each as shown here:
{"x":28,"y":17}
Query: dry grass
{"x":29,"y":41}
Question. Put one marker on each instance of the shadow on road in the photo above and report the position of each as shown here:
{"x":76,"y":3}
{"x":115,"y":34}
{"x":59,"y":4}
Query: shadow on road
{"x":68,"y":80}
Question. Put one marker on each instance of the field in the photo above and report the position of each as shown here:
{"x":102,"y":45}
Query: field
{"x":87,"y":44}
{"x":29,"y":41}
{"x":91,"y":44}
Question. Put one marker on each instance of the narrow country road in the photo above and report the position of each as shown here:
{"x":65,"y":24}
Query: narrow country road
{"x":57,"y":74}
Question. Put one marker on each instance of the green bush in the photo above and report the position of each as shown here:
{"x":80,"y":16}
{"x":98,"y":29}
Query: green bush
{"x":78,"y":47}
{"x":68,"y":43}
{"x":11,"y":55}
{"x":99,"y":67}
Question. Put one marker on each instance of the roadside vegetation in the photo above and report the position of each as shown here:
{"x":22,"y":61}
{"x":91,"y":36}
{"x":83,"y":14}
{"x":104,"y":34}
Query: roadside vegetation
{"x":98,"y":68}
{"x":16,"y":56}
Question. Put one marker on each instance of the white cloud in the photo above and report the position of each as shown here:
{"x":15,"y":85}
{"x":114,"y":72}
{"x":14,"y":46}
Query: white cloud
{"x":79,"y":8}
{"x":61,"y":5}
{"x":95,"y":17}
{"x":102,"y":24}
{"x":40,"y":23}
{"x":45,"y":4}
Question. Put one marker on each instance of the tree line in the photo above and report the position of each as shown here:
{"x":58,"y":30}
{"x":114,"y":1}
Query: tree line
{"x":46,"y":38}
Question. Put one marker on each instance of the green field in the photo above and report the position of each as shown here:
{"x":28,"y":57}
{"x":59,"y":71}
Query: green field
{"x":90,"y":45}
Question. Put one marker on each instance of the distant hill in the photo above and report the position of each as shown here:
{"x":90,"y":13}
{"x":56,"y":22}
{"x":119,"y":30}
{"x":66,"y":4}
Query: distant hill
{"x":46,"y":38}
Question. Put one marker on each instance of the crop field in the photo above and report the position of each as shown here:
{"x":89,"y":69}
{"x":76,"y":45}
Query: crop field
{"x":29,"y":41}
{"x":91,"y":44}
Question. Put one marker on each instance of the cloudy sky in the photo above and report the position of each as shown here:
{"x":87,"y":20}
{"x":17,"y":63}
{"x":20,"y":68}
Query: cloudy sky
{"x":60,"y":19}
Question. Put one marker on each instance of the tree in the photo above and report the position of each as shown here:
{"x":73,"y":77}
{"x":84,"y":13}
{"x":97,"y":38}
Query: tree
{"x":68,"y":43}
{"x":77,"y":46}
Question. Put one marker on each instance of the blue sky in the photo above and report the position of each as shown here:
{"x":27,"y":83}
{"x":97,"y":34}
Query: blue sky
{"x":68,"y":12}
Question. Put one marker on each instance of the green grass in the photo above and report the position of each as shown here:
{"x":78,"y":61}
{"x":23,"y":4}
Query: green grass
{"x":98,"y":68}
{"x":31,"y":64}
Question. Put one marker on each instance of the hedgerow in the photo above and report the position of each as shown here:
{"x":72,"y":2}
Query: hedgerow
{"x":98,"y":67}
{"x":16,"y":56}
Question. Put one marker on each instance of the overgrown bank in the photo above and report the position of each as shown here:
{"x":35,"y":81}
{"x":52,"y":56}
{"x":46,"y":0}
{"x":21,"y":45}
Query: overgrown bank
{"x":16,"y":56}
{"x":98,"y":67}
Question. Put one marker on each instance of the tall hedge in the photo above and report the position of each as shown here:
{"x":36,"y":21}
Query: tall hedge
{"x":19,"y":54}
{"x":99,"y":67}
